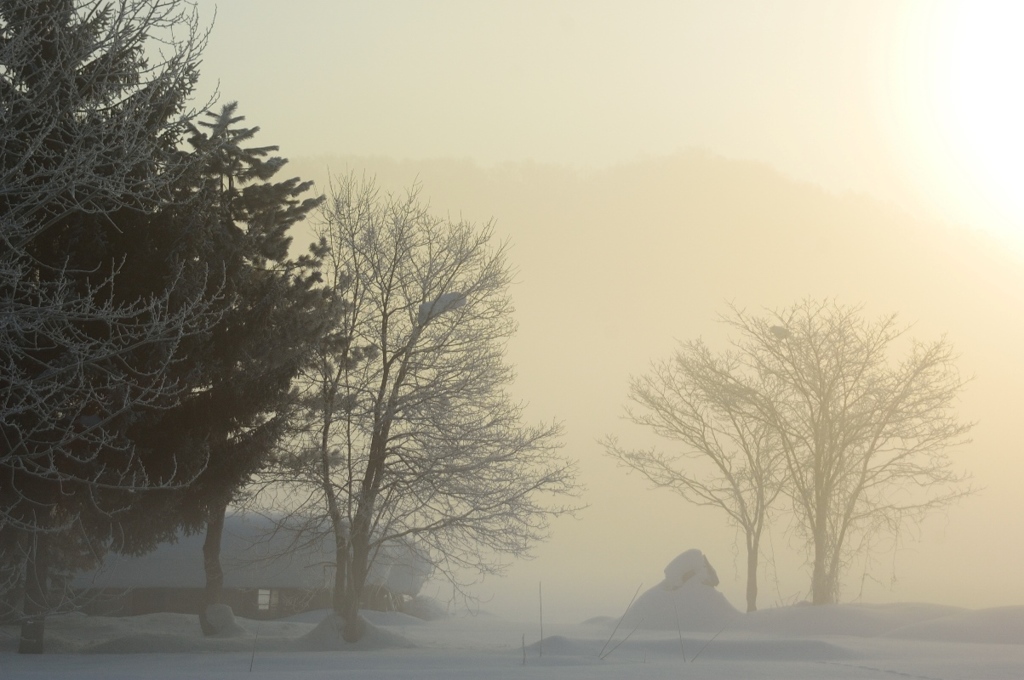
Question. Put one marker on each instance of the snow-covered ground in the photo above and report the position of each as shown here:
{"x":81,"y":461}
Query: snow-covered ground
{"x":842,"y":641}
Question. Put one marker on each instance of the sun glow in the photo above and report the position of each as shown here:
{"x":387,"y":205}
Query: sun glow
{"x":983,"y":93}
{"x":960,"y":85}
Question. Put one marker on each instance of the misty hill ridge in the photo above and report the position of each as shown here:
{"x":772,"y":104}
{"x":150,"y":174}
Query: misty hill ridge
{"x":715,"y":228}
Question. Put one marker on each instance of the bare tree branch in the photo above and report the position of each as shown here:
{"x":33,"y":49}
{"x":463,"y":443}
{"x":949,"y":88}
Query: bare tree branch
{"x":701,"y":403}
{"x":865,"y":441}
{"x":413,"y":438}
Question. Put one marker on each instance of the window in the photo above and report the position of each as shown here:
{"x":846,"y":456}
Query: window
{"x":266,"y":599}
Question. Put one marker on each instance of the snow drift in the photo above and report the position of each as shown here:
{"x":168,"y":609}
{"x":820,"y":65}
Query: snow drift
{"x":686,"y":599}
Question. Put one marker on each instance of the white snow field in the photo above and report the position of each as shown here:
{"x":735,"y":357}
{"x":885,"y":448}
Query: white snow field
{"x":841,"y":641}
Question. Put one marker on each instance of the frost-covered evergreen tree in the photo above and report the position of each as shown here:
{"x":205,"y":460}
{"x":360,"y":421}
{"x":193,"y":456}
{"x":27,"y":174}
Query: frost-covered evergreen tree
{"x":89,"y":123}
{"x":236,"y":220}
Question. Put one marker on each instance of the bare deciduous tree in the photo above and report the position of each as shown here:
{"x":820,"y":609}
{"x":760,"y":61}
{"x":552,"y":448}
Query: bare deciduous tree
{"x":729,"y":458}
{"x":865,"y":440}
{"x":413,"y":436}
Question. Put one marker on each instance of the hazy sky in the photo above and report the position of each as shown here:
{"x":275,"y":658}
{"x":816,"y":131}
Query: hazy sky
{"x":915,"y":103}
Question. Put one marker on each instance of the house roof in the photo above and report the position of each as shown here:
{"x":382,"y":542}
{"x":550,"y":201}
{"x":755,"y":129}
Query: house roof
{"x":253,"y":555}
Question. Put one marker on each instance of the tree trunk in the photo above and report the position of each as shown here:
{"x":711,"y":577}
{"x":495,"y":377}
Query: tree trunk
{"x":822,"y":591}
{"x":354,"y":627}
{"x":211,"y":564}
{"x":36,"y":603}
{"x":752,"y":554}
{"x":359,"y":536}
{"x":339,"y":598}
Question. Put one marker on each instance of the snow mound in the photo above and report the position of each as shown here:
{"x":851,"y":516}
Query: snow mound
{"x":860,"y":620}
{"x":685,"y":600}
{"x":222,"y":619}
{"x":76,"y":632}
{"x":168,"y":633}
{"x":165,"y":643}
{"x":326,"y":637}
{"x":560,"y":645}
{"x":769,"y":650}
{"x":390,"y":618}
{"x":1000,"y":625}
{"x":691,"y":564}
{"x":694,"y":606}
{"x":312,"y":616}
{"x":704,"y":646}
